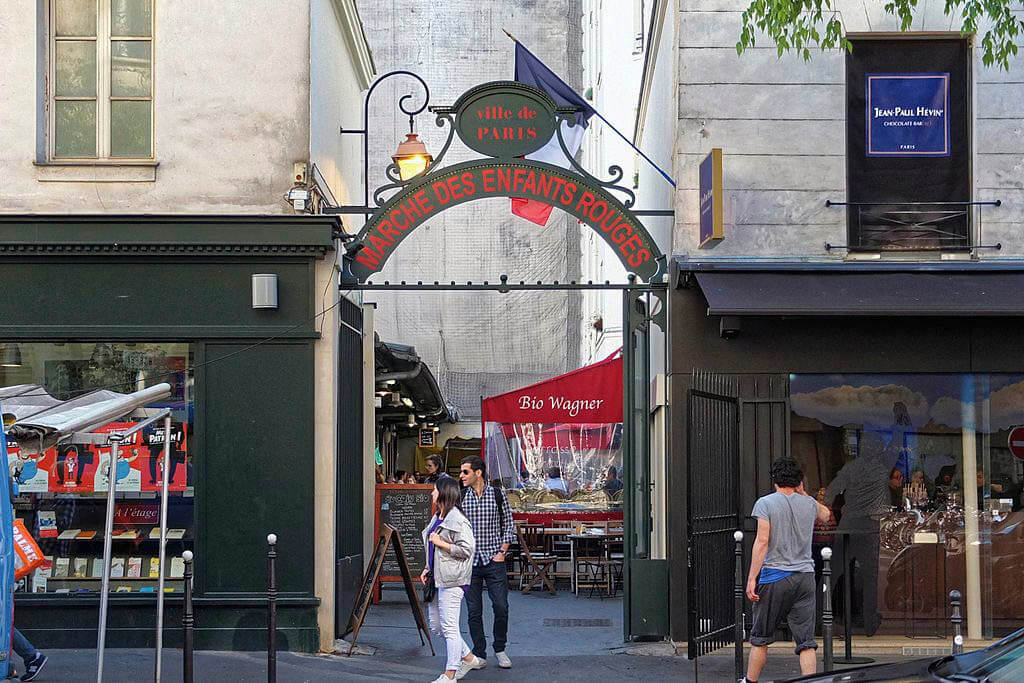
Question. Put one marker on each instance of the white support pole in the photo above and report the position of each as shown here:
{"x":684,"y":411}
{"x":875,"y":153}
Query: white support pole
{"x":115,"y":442}
{"x":161,"y":566}
{"x":972,"y":539}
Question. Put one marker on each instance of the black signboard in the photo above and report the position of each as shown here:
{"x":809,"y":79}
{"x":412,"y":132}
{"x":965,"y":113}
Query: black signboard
{"x":406,"y":508}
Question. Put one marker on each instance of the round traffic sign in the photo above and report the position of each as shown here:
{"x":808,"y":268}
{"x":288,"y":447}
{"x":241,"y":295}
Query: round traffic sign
{"x":1016,"y":441}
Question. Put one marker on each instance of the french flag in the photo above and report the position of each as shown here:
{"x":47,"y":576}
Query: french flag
{"x":532,"y":71}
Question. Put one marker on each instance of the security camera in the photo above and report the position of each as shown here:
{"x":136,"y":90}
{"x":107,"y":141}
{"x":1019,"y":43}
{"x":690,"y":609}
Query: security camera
{"x":729,"y":327}
{"x":298,"y":196}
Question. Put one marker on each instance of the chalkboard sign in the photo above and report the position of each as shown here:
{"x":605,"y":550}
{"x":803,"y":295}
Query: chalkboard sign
{"x":388,"y":537}
{"x":407,"y":508}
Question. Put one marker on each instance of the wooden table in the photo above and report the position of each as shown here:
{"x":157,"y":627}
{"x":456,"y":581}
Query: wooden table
{"x":604,"y":538}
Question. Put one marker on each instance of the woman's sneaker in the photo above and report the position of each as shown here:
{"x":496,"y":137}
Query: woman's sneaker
{"x":503,"y":661}
{"x":465,"y":667}
{"x":33,"y":668}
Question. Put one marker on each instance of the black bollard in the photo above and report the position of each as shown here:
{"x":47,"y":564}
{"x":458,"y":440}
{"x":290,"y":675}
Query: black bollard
{"x":738,"y":600}
{"x":271,"y":609}
{"x":187,"y":620}
{"x":957,"y":619}
{"x":826,"y":607}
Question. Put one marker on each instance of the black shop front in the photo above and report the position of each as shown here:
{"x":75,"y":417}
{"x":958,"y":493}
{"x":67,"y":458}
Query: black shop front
{"x":896,"y":387}
{"x":125,"y":302}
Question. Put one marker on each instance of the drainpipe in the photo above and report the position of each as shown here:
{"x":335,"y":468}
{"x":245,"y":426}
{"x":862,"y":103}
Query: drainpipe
{"x":972,"y":539}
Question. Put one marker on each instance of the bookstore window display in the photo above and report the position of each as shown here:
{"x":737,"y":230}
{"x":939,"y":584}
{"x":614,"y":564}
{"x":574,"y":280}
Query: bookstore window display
{"x":61,"y":493}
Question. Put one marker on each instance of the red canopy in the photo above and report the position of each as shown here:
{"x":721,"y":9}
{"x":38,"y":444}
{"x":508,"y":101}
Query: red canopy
{"x":591,"y":394}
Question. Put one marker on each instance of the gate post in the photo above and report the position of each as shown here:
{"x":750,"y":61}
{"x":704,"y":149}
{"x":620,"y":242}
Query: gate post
{"x":957,"y":619}
{"x":826,"y":607}
{"x":271,"y":608}
{"x":738,"y":599}
{"x":187,"y":620}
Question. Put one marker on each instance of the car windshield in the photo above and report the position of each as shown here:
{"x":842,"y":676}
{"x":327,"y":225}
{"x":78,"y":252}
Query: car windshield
{"x":1000,"y":663}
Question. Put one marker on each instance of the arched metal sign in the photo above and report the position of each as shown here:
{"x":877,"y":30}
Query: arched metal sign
{"x":504,"y":120}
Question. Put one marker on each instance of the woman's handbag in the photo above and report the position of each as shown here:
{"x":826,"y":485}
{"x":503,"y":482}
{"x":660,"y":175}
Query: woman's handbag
{"x":429,"y":588}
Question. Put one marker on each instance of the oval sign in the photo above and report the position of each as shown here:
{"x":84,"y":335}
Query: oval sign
{"x":504,"y":119}
{"x":1015,"y":441}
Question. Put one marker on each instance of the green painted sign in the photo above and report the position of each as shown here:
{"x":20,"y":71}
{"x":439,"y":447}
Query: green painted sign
{"x":485,"y":178}
{"x":504,"y":119}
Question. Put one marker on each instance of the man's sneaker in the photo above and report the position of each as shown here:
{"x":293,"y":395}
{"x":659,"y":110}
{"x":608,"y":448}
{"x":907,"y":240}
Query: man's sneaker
{"x":465,"y":667}
{"x":503,"y":661}
{"x":33,"y":668}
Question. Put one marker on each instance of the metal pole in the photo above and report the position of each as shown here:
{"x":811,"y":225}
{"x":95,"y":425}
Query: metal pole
{"x":957,"y":619}
{"x":271,"y":609}
{"x":826,"y":608}
{"x":848,"y":658}
{"x":161,"y":566}
{"x":738,"y":606}
{"x":187,"y":620}
{"x":101,"y":636}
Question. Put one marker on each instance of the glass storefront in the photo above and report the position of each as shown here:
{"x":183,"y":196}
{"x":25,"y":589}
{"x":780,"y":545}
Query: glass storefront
{"x":918,"y":471}
{"x":62,"y":491}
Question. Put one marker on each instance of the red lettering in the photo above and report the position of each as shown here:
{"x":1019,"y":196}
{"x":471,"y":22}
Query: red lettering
{"x":423,"y":201}
{"x":621,"y":232}
{"x":603,"y":206}
{"x":456,"y":189}
{"x":608,"y":226}
{"x":487,"y":175}
{"x":568,"y":192}
{"x":410,"y":211}
{"x":388,"y":230}
{"x":480,"y":132}
{"x":468,"y":184}
{"x":531,"y":133}
{"x":518,"y":177}
{"x":632,"y":244}
{"x":382,"y":246}
{"x":394,"y":216}
{"x":585,"y":202}
{"x":531,"y":183}
{"x":441,"y":192}
{"x":642,"y":256}
{"x":504,"y":179}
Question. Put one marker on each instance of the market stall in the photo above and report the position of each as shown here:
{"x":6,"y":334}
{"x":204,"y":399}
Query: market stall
{"x":556,"y":446}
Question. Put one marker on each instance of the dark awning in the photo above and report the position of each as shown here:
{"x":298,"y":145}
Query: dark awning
{"x":799,"y":290}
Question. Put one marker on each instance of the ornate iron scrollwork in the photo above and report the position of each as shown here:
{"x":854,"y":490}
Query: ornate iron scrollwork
{"x":612,"y":184}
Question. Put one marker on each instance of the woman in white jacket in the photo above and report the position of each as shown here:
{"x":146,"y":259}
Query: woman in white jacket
{"x":450,"y":546}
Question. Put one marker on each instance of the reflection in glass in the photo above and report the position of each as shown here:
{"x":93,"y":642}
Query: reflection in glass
{"x":130,"y":129}
{"x":131,"y":69}
{"x":75,"y":67}
{"x":75,"y":17}
{"x":131,"y":18}
{"x":75,"y":128}
{"x":918,"y":472}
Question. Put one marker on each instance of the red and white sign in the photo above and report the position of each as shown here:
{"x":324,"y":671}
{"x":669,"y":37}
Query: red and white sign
{"x":136,"y":513}
{"x":1016,"y":442}
{"x":591,"y":394}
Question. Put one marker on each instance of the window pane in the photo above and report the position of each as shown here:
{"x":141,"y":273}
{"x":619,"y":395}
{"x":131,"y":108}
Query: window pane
{"x":75,"y":68}
{"x":131,"y":17}
{"x":131,"y":71}
{"x":75,"y":17}
{"x":63,"y":489}
{"x":75,"y":129}
{"x":130,"y":129}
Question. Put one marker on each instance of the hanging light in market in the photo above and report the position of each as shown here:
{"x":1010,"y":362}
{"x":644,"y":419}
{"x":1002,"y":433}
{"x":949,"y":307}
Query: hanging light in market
{"x":10,"y":356}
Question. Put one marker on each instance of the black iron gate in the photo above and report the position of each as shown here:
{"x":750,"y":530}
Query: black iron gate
{"x":714,"y":426}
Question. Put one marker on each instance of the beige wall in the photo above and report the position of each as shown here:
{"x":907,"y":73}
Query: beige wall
{"x":231,"y":98}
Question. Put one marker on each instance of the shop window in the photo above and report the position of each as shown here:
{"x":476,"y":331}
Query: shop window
{"x":101,"y":79}
{"x":919,"y":474}
{"x":908,"y":144}
{"x":62,"y":492}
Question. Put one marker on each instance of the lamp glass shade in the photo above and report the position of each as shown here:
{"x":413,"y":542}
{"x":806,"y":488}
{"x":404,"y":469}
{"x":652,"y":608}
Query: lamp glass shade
{"x":412,"y":157}
{"x":10,"y":356}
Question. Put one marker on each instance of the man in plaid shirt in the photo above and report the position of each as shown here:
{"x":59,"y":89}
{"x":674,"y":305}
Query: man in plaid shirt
{"x":494,"y":531}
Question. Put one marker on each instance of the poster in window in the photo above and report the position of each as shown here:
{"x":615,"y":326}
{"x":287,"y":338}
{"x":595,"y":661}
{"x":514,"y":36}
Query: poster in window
{"x":129,"y":460}
{"x":32,"y":470}
{"x":908,"y":115}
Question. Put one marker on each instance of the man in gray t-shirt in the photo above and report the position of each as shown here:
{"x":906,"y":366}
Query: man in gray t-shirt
{"x":781,"y":579}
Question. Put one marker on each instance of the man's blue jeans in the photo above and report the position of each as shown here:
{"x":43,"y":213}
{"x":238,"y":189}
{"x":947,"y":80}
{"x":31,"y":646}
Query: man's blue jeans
{"x":25,"y":649}
{"x":492,"y":574}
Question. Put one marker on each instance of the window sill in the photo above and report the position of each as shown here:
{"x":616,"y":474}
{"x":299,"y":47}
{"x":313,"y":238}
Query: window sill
{"x":87,"y":171}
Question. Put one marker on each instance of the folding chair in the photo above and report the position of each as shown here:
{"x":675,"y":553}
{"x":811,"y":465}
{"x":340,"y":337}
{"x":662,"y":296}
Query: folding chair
{"x":536,"y":561}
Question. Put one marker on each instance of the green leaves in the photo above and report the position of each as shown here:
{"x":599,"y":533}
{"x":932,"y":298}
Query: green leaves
{"x":798,"y":25}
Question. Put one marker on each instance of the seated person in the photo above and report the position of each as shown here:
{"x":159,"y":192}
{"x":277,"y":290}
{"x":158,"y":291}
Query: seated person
{"x":555,"y":482}
{"x":612,"y":483}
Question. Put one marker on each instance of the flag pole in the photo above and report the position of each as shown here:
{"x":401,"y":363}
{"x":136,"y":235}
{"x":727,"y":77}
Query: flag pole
{"x":629,"y":142}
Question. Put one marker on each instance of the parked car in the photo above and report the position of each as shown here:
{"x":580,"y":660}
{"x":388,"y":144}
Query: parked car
{"x":1001,"y":662}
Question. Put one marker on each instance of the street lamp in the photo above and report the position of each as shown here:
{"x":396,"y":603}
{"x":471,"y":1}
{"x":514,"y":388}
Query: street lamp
{"x":412,"y":157}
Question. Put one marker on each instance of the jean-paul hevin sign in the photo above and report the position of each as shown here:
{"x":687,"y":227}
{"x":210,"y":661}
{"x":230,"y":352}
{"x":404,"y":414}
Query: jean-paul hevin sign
{"x":505,"y":121}
{"x":908,"y":115}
